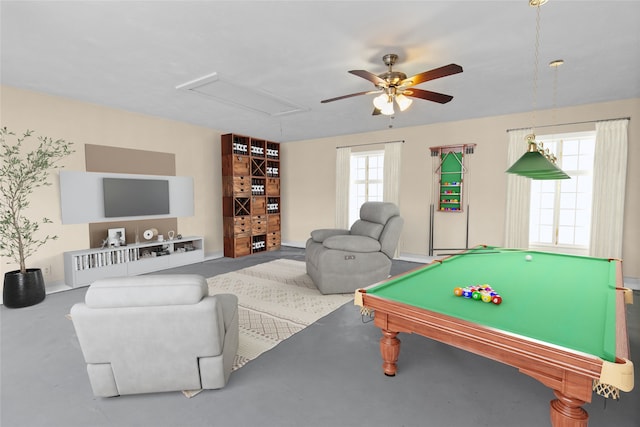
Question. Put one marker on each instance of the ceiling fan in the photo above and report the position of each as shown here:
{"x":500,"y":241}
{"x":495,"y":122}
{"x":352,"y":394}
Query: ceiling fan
{"x":395,"y":86}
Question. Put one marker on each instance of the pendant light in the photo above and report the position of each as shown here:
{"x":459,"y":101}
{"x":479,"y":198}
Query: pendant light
{"x":536,"y":163}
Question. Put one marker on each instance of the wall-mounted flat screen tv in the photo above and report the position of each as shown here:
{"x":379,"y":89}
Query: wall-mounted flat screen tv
{"x":135,"y":197}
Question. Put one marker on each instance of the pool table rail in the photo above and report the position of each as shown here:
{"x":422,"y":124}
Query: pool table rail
{"x":568,"y":373}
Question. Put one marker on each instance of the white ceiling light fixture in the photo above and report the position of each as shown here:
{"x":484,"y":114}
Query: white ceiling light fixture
{"x":384,"y":103}
{"x":403,"y":102}
{"x":213,"y":87}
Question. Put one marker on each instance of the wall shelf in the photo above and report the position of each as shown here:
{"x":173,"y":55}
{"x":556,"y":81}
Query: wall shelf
{"x":450,"y":170}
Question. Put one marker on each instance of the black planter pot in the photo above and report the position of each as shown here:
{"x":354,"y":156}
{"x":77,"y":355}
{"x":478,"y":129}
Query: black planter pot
{"x":23,"y":289}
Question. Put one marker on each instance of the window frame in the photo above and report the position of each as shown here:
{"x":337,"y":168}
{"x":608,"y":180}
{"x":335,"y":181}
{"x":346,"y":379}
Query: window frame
{"x":558,"y":141}
{"x":354,"y":197}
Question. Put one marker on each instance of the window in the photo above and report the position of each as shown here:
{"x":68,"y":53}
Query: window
{"x":561,"y":210}
{"x":367,"y":171}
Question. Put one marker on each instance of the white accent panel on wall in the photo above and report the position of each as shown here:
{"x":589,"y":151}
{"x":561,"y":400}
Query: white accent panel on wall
{"x":81,"y":196}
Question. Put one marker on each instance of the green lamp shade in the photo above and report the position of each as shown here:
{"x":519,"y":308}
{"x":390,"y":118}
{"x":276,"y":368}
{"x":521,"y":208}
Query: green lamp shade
{"x":536,"y":166}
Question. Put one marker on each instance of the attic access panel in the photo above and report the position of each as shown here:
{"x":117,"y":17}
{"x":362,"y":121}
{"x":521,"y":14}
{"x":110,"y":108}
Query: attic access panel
{"x":213,"y":87}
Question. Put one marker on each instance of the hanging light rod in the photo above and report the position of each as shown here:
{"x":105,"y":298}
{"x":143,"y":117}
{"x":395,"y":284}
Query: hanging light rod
{"x":572,"y":123}
{"x":537,"y":162}
{"x":401,"y":141}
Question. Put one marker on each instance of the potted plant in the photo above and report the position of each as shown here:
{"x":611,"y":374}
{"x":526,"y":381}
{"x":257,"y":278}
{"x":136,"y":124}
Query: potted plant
{"x":21,"y":172}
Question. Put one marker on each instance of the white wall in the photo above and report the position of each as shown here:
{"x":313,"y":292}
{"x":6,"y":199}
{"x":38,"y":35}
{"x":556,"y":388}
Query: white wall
{"x":310,"y":203}
{"x":197,"y":154}
{"x":308,"y":186}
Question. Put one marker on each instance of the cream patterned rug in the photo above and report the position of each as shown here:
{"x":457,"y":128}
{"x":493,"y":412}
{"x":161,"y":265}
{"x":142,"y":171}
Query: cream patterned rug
{"x":275,"y":300}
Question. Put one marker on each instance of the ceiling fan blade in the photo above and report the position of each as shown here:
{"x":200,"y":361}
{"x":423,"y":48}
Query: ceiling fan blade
{"x":428,"y":95}
{"x":349,"y":96}
{"x":369,"y":76}
{"x":436,"y":73}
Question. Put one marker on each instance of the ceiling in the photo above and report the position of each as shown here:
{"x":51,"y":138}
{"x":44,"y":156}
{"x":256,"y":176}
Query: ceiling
{"x":132,"y":55}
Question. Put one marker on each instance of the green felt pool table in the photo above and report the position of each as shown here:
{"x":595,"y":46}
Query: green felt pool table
{"x":561,"y":319}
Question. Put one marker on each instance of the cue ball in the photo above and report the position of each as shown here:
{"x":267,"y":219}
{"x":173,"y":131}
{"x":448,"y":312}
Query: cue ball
{"x":528,"y":257}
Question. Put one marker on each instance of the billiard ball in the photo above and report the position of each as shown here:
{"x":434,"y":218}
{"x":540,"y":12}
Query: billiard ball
{"x":496,"y":299}
{"x":528,"y":257}
{"x":457,"y":291}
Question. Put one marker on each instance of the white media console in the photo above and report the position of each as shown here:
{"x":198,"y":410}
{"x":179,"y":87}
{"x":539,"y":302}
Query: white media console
{"x":83,"y":267}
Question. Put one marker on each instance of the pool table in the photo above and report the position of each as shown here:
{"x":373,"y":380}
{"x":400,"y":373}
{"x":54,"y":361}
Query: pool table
{"x":561,"y":320}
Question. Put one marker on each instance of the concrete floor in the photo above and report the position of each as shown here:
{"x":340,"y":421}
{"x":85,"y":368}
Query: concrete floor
{"x":327,"y":375}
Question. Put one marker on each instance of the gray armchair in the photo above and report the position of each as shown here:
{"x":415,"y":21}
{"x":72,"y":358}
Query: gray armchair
{"x":156,"y":333}
{"x":341,"y":261}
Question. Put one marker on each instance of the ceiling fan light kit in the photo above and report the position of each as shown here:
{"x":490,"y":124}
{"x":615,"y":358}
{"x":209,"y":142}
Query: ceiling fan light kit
{"x":393,"y":86}
{"x":403,"y":102}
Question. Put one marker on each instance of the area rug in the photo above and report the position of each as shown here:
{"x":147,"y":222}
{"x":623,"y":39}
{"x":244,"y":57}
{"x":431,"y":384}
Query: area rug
{"x":275,"y":300}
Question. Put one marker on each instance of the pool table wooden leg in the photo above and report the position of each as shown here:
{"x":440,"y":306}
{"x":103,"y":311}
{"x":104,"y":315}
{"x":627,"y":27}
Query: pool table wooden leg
{"x":568,"y":412}
{"x":389,"y":349}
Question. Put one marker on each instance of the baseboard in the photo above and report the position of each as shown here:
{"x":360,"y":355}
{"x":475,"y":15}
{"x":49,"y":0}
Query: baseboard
{"x":300,"y":245}
{"x":423,"y":259}
{"x":632,"y":283}
{"x":58,"y":286}
{"x":213,"y":255}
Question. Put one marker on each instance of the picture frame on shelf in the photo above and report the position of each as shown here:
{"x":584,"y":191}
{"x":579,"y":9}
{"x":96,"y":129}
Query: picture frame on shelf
{"x":116,"y":237}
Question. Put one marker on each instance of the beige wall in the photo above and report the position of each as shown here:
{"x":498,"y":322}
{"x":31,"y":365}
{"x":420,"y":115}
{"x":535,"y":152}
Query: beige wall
{"x":310,"y":203}
{"x":308,"y":172}
{"x":197,"y":154}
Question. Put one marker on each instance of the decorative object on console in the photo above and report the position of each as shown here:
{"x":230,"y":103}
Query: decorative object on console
{"x":21,"y":173}
{"x":150,"y":233}
{"x":116,"y":237}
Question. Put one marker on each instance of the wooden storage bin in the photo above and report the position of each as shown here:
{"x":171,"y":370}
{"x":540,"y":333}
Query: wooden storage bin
{"x":273,"y":241}
{"x":234,"y":165}
{"x":273,"y":223}
{"x":273,"y":186}
{"x":237,"y":246}
{"x":258,"y":205}
{"x":236,"y":185}
{"x":258,"y":225}
{"x":240,"y":225}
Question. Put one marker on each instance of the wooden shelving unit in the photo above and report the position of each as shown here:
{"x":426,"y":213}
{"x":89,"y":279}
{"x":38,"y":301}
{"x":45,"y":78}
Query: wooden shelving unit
{"x":250,"y":195}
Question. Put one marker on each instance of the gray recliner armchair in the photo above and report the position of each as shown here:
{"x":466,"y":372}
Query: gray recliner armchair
{"x":156,"y":333}
{"x":341,"y":261}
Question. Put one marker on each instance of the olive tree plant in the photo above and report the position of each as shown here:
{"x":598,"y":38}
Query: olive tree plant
{"x":21,"y":172}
